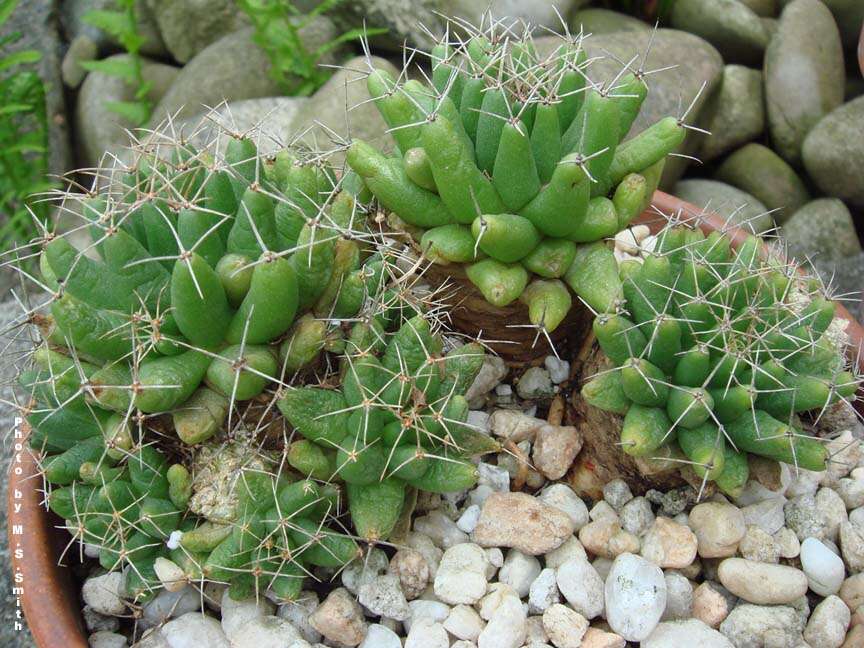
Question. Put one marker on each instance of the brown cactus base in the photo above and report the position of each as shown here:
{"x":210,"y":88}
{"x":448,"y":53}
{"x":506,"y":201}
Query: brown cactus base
{"x":506,"y":329}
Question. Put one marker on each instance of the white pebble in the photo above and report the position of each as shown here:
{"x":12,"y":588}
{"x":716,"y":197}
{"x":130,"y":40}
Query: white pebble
{"x":193,"y":630}
{"x":441,"y":529}
{"x":104,"y":593}
{"x":582,"y":586}
{"x":427,"y":634}
{"x":559,"y":370}
{"x":564,"y":626}
{"x":635,"y":596}
{"x":519,"y":571}
{"x":468,"y":520}
{"x":507,"y":626}
{"x":543,"y":592}
{"x":379,"y":636}
{"x":461,"y":576}
{"x":383,"y":597}
{"x":464,"y":623}
{"x":435,"y":611}
{"x":562,"y":497}
{"x":824,"y":568}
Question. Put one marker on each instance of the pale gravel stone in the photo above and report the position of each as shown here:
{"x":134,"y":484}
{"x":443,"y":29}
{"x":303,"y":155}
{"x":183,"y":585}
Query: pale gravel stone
{"x":787,"y":543}
{"x":464,"y":623}
{"x":461,"y":576}
{"x":412,"y":570}
{"x":669,"y":544}
{"x":762,"y":583}
{"x":571,"y":549}
{"x":383,"y":597}
{"x":507,"y":626}
{"x":718,"y":527}
{"x":559,"y":370}
{"x":426,"y":633}
{"x":104,"y":593}
{"x":597,"y":638}
{"x":679,"y":597}
{"x":543,"y":592}
{"x":617,"y":493}
{"x":494,"y":477}
{"x":582,"y":587}
{"x":606,"y":538}
{"x":759,"y":546}
{"x":297,"y":613}
{"x":564,"y":626}
{"x":602,"y":510}
{"x":767,"y":514}
{"x":523,"y":522}
{"x":236,"y":614}
{"x":170,"y":574}
{"x":514,"y":425}
{"x":603,"y":567}
{"x":635,"y":597}
{"x":340,"y":618}
{"x":777,"y":626}
{"x":851,"y":491}
{"x":636,"y":516}
{"x":852,"y":546}
{"x":683,"y":632}
{"x":435,"y":611}
{"x":193,"y":630}
{"x":852,"y":591}
{"x":105,"y":639}
{"x":468,"y":520}
{"x":426,"y":547}
{"x":824,"y":569}
{"x":441,"y":529}
{"x":364,"y":570}
{"x":555,"y":448}
{"x":519,"y":571}
{"x":710,"y":605}
{"x":379,"y":636}
{"x":496,"y":595}
{"x":828,"y":624}
{"x":562,"y":497}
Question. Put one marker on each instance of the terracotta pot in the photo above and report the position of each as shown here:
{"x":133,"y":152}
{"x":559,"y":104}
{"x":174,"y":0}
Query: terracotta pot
{"x":49,"y":597}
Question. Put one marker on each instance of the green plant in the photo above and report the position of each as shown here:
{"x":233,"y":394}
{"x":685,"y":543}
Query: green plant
{"x":716,"y":351}
{"x":23,"y":140}
{"x":278,"y":25}
{"x":512,"y":162}
{"x":121,"y":24}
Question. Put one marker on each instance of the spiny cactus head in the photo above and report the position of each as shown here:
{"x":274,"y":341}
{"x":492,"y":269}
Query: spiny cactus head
{"x":718,"y":351}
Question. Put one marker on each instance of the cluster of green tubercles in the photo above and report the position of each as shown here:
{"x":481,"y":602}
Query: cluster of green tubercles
{"x":515,"y":164}
{"x":126,"y":503}
{"x":398,"y":421}
{"x":278,"y":536}
{"x":716,"y":353}
{"x":200,"y":270}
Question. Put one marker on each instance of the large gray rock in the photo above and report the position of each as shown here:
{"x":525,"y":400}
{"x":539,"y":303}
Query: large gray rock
{"x":738,"y":207}
{"x":323,"y":120}
{"x":758,"y":170}
{"x":100,"y":129}
{"x":188,"y":26}
{"x":72,"y":14}
{"x":804,"y":74}
{"x":736,"y":112}
{"x":604,"y":21}
{"x":231,"y":69}
{"x":834,"y":153}
{"x":729,"y":25}
{"x":669,"y":90}
{"x":823,"y":230}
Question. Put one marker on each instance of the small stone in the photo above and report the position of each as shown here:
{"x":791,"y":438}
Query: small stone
{"x":441,"y":529}
{"x":669,"y":544}
{"x":718,"y":528}
{"x":193,"y":630}
{"x":105,"y":639}
{"x":412,"y":570}
{"x":495,"y":557}
{"x":852,"y":591}
{"x":804,"y":77}
{"x":597,"y":638}
{"x":606,"y":538}
{"x":464,"y":623}
{"x":514,"y":425}
{"x":759,"y":171}
{"x":767,"y":514}
{"x":379,"y":636}
{"x":787,"y":543}
{"x":572,"y":549}
{"x":635,"y":594}
{"x":96,"y":622}
{"x":832,"y":511}
{"x":170,"y":574}
{"x":582,"y":587}
{"x":851,"y":491}
{"x":82,"y":49}
{"x":762,"y":583}
{"x":426,"y":547}
{"x":523,"y":522}
{"x":364,"y":570}
{"x":679,"y":597}
{"x":461,"y":576}
{"x":852,"y":546}
{"x":340,"y":618}
{"x":426,"y":633}
{"x":564,"y":626}
{"x":268,"y":631}
{"x":543,"y":591}
{"x":758,"y":546}
{"x":236,"y":615}
{"x":710,"y":605}
{"x":636,"y":516}
{"x":617,"y":493}
{"x":383,"y":597}
{"x":736,"y":113}
{"x":758,"y":625}
{"x":602,"y":510}
{"x":519,"y":571}
{"x":491,"y":373}
{"x":594,"y":20}
{"x":104,"y":594}
{"x":685,"y":632}
{"x":535,"y":383}
{"x":507,"y":626}
{"x":804,"y":482}
{"x":822,"y":229}
{"x":562,"y":497}
{"x":468,"y":520}
{"x":824,"y":569}
{"x":496,"y":477}
{"x":496,"y":595}
{"x":555,"y":448}
{"x":297,"y":613}
{"x":434,"y":611}
{"x":536,"y":633}
{"x":559,"y":370}
{"x":828,"y":624}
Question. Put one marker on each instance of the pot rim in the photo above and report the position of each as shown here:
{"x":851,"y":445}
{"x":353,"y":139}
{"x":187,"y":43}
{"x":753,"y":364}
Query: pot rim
{"x":49,"y":597}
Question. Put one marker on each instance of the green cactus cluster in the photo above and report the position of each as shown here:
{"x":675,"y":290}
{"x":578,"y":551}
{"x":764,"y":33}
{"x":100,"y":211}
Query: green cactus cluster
{"x":716,"y":351}
{"x":514,"y":164}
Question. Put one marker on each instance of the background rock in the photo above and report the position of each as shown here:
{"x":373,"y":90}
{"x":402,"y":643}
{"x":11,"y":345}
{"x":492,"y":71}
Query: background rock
{"x":603,"y":21}
{"x":72,"y":14}
{"x":822,"y":229}
{"x":735,"y":114}
{"x":804,"y":74}
{"x":729,"y":25}
{"x":188,"y":26}
{"x":737,"y":206}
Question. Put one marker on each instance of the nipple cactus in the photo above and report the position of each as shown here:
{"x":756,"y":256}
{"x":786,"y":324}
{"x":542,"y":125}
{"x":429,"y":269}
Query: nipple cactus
{"x":513,"y":163}
{"x":716,"y":351}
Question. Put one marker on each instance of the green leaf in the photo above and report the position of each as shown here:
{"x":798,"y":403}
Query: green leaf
{"x":135,"y":112}
{"x":19,"y":58}
{"x":115,"y":23}
{"x":6,"y":9}
{"x":123,"y":68}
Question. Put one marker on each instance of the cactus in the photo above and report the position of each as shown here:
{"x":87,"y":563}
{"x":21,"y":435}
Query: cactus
{"x":513,"y":163}
{"x":203,"y":294}
{"x":716,"y":352}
